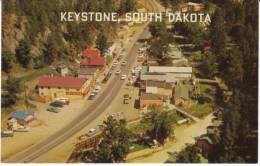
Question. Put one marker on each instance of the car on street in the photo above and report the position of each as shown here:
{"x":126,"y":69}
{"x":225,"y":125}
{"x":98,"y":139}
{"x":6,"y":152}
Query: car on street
{"x":123,"y":63}
{"x":117,"y":72}
{"x":126,"y":99}
{"x":92,"y":96}
{"x":57,"y":104}
{"x":107,"y":77}
{"x":54,"y":109}
{"x":116,"y":63}
{"x":97,"y":89}
{"x":123,"y":77}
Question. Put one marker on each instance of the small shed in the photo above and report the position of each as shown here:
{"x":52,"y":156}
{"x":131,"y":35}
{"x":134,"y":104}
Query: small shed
{"x":23,"y":118}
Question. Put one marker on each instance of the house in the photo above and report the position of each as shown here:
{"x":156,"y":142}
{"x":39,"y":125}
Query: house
{"x":177,"y":72}
{"x":93,"y":59}
{"x":87,"y":73}
{"x":151,"y":100}
{"x":21,"y":117}
{"x":50,"y":87}
{"x":167,"y":77}
{"x":181,"y":95}
{"x":204,"y":142}
{"x":159,"y":87}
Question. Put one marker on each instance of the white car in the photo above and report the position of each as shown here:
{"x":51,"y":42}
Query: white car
{"x":117,"y":72}
{"x":64,"y":100}
{"x":123,"y":76}
{"x":116,"y":63}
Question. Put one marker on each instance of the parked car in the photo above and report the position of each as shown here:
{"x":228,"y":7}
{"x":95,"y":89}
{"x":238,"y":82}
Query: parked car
{"x":116,"y":63}
{"x":97,"y":89}
{"x":123,"y":76}
{"x":53,"y":109}
{"x":126,"y":99}
{"x":92,"y":131}
{"x":92,"y":96}
{"x":117,"y":72}
{"x":123,"y":63}
{"x":65,"y":100}
{"x":57,"y":104}
{"x":8,"y":133}
{"x":22,"y":129}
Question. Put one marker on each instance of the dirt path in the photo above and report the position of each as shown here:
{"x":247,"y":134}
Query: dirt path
{"x":184,"y":135}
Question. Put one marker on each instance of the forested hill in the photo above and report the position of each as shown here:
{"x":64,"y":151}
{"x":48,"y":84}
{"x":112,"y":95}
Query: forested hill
{"x":34,"y":28}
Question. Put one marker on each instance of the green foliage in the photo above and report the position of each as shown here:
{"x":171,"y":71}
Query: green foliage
{"x":7,"y":60}
{"x":22,"y":52}
{"x":194,"y":31}
{"x":115,"y":143}
{"x":161,"y":124}
{"x":101,"y":42}
{"x":127,"y":6}
{"x":218,"y":37}
{"x":189,"y":155}
{"x":157,"y":28}
{"x":210,"y":67}
{"x":10,"y":88}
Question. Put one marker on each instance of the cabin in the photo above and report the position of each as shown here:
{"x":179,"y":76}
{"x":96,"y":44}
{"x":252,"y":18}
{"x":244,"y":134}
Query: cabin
{"x":21,"y":117}
{"x":51,"y":87}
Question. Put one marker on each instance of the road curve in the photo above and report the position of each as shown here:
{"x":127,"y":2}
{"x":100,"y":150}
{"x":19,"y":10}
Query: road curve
{"x":93,"y":111}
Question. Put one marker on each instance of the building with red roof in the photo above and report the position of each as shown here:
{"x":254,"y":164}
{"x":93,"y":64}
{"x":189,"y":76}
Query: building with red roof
{"x":51,"y":87}
{"x":91,"y":52}
{"x":93,"y":59}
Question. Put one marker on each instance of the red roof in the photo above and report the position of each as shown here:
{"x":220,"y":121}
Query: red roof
{"x":93,"y":61}
{"x":63,"y":82}
{"x":91,"y":53}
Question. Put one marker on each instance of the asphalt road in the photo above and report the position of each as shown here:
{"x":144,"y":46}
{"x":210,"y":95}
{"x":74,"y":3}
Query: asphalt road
{"x":93,"y":111}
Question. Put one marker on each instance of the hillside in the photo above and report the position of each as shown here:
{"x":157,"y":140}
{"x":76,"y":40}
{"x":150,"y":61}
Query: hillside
{"x":37,"y":24}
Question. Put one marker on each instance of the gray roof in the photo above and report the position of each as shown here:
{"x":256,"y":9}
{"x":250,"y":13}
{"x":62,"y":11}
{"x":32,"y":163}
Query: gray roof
{"x":167,"y":77}
{"x":166,"y":69}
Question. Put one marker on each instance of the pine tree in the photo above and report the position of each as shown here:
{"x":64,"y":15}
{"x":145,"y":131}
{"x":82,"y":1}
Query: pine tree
{"x":101,"y":42}
{"x":22,"y":54}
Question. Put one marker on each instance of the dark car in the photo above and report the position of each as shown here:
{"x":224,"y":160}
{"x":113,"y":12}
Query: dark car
{"x":107,"y":77}
{"x":92,"y":96}
{"x":57,"y":104}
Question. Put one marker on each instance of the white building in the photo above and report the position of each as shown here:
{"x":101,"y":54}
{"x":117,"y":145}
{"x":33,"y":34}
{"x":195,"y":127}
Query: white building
{"x":177,"y":72}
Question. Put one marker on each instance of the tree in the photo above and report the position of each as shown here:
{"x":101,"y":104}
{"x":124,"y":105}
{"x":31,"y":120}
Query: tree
{"x":101,"y":42}
{"x":157,"y":28}
{"x":7,"y":60}
{"x":11,"y":87}
{"x":22,"y":54}
{"x":218,"y":37}
{"x":127,"y":6}
{"x":114,"y":145}
{"x":161,"y":125}
{"x":50,"y":50}
{"x":189,"y":155}
{"x":210,"y":64}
